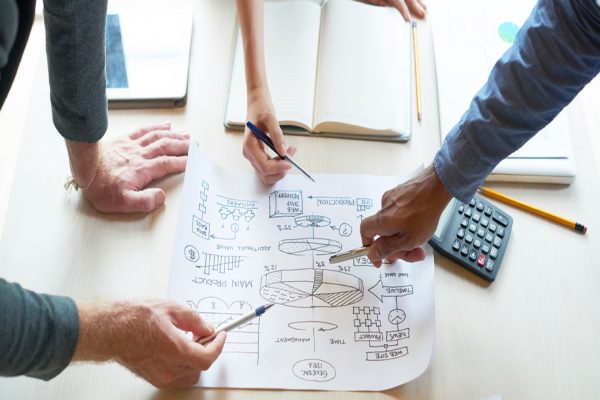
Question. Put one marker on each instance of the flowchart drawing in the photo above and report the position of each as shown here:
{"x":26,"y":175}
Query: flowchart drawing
{"x":311,"y":288}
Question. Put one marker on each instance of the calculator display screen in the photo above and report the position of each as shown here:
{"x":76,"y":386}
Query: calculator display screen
{"x":443,"y":220}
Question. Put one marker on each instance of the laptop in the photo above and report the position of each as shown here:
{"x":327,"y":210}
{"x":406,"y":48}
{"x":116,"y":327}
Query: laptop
{"x":147,"y":59}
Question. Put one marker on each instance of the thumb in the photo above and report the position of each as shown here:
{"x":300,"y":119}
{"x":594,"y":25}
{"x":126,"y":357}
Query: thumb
{"x":146,"y":200}
{"x":190,"y":321}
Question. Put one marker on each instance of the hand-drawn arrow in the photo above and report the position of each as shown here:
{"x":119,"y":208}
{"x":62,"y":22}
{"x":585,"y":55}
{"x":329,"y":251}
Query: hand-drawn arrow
{"x":380,"y":291}
{"x":329,"y":197}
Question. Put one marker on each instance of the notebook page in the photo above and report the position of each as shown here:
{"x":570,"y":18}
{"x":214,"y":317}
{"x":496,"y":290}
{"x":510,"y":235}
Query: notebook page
{"x":364,"y":67}
{"x":291,"y":48}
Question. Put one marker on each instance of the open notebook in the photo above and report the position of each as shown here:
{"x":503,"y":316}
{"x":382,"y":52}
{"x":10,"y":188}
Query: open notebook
{"x":341,"y":69}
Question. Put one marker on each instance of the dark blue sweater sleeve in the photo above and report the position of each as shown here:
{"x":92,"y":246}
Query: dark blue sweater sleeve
{"x":76,"y":66}
{"x":555,"y":54}
{"x":38,"y":333}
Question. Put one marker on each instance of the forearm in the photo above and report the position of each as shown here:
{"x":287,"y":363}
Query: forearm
{"x":105,"y":328}
{"x":76,"y":58}
{"x":38,"y":333}
{"x":555,"y":54}
{"x":251,"y":17}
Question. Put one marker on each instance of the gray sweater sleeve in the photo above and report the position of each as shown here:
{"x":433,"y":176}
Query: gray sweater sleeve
{"x":76,"y":58}
{"x":38,"y":333}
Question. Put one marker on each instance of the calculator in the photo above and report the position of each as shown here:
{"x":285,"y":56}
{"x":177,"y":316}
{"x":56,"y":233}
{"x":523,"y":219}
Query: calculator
{"x":474,"y":235}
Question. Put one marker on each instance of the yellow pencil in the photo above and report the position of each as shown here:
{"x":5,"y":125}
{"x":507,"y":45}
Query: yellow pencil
{"x":537,"y":211}
{"x":415,"y":42}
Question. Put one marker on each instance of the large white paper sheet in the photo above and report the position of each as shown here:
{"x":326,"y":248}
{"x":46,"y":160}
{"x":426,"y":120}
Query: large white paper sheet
{"x":348,"y":326}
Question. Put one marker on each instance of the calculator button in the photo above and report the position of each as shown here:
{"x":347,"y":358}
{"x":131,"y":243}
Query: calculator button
{"x":501,"y":219}
{"x":489,"y":266}
{"x":484,"y":222}
{"x":493,"y":227}
{"x":488,"y":211}
{"x":485,"y":248}
{"x":473,"y":255}
{"x":500,"y":231}
{"x":497,"y":242}
{"x":480,"y":232}
{"x":481,"y":260}
{"x":488,"y":238}
{"x":468,"y":212}
{"x":472,"y":227}
{"x":464,"y":223}
{"x":468,"y":238}
{"x":461,"y":233}
{"x":464,"y":250}
{"x":477,"y":243}
{"x":461,"y":208}
{"x":479,"y":206}
{"x":476,"y":217}
{"x":456,"y":245}
{"x":494,"y":253}
{"x":472,"y":203}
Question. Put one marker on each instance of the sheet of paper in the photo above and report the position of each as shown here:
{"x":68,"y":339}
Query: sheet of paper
{"x":348,"y":326}
{"x":469,"y":37}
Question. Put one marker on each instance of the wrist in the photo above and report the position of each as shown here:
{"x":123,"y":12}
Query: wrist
{"x":84,"y":161}
{"x":437,"y":191}
{"x":259,"y":95}
{"x":102,"y":330}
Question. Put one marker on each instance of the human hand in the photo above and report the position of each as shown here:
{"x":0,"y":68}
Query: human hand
{"x":406,"y":7}
{"x":262,"y":113}
{"x":148,"y":338}
{"x":408,"y":217}
{"x":114,"y":175}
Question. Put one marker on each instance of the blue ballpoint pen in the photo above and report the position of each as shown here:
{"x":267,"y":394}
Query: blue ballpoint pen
{"x":263,"y":137}
{"x":236,"y":323}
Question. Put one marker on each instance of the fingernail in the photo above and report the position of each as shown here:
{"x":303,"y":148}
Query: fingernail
{"x":167,"y":123}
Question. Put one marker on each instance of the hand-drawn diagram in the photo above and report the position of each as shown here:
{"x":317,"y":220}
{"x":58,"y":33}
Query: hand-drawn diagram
{"x":250,"y":245}
{"x":191,"y":253}
{"x":285,"y":203}
{"x":243,"y":339}
{"x":368,"y":329}
{"x":236,"y":209}
{"x":311,"y":288}
{"x":310,"y":245}
{"x":314,"y":370}
{"x":361,"y":203}
{"x":199,"y":226}
{"x":219,"y":263}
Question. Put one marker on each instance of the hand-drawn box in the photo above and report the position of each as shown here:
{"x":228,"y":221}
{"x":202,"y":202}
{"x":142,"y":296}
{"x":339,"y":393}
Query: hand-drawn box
{"x":285,"y":203}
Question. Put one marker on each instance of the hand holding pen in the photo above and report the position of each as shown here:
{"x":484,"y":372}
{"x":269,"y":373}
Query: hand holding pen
{"x":269,"y":169}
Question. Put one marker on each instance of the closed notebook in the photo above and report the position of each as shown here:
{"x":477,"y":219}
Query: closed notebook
{"x":341,"y":69}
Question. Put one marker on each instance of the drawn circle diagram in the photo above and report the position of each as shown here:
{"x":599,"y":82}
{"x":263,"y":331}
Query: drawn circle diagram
{"x":308,"y":325}
{"x":508,"y":31}
{"x":302,"y":246}
{"x":397,"y":316}
{"x":312,"y":221}
{"x":345,"y":230}
{"x":191,"y":253}
{"x":307,"y":288}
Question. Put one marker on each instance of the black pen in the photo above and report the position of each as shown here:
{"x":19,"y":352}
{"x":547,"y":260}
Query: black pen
{"x":263,"y":137}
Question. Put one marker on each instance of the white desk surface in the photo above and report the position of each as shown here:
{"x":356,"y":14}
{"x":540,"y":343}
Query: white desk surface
{"x":531,"y":334}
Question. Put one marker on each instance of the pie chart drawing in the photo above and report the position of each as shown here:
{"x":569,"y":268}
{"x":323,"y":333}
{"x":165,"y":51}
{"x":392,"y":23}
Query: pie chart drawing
{"x":309,"y":245}
{"x":308,"y":288}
